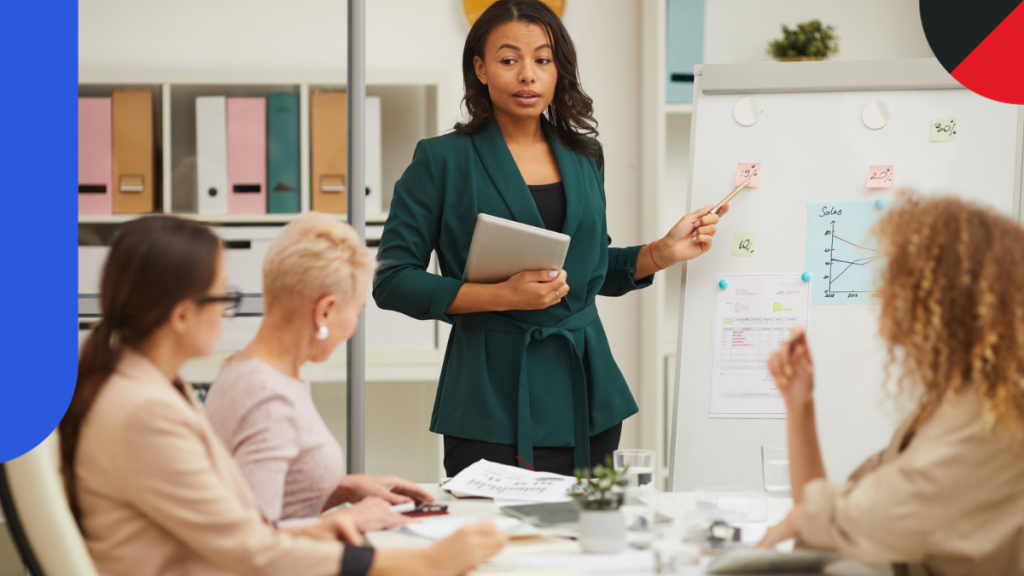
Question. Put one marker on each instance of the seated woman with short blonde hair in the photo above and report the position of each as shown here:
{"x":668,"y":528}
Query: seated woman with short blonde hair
{"x":947,"y":496}
{"x":315,"y":278}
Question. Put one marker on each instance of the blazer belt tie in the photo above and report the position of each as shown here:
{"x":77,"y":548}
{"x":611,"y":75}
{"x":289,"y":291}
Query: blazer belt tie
{"x":581,"y":407}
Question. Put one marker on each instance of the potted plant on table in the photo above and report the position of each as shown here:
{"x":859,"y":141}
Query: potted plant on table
{"x":808,"y":41}
{"x":599,"y":494}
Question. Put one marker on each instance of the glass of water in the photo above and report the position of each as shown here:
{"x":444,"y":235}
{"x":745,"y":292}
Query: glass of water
{"x":775,"y":465}
{"x":640,"y":464}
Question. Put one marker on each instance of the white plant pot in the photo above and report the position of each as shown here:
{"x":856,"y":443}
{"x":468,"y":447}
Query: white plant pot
{"x":602,"y":531}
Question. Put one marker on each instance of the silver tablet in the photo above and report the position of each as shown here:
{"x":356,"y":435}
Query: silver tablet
{"x":502,"y":248}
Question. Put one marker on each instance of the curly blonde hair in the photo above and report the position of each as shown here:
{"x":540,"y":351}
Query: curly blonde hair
{"x":315,"y":256}
{"x":953,"y":305}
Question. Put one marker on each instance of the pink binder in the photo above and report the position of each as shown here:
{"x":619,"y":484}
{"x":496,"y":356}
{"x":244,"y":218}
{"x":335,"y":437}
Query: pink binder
{"x":247,"y":155}
{"x":95,"y":170}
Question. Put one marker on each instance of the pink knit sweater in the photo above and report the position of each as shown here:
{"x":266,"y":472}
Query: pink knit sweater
{"x":269,"y":423}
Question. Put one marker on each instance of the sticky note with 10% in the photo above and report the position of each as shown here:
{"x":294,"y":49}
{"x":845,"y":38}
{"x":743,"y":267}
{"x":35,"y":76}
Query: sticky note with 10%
{"x":744,"y":244}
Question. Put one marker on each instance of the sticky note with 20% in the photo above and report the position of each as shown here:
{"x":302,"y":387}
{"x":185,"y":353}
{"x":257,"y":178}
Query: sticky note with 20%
{"x":880,"y":176}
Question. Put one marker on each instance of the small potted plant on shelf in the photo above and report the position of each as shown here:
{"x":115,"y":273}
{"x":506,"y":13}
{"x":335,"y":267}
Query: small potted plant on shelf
{"x":599,"y":494}
{"x":808,"y":41}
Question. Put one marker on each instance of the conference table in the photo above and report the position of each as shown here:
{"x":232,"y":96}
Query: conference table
{"x":546,"y":555}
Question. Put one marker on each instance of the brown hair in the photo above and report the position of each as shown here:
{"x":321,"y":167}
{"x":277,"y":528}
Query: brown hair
{"x":571,"y":112}
{"x":154,"y":263}
{"x":953,"y":305}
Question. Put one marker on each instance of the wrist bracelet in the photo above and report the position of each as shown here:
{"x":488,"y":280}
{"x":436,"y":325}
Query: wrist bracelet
{"x":650,"y":247}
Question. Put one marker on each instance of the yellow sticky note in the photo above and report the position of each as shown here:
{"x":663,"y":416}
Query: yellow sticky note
{"x":944,"y":129}
{"x":744,"y":243}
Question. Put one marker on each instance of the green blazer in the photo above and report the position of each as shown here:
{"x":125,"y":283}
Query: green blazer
{"x":524,"y":377}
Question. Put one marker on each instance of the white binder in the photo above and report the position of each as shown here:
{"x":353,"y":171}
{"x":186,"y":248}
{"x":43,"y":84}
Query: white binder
{"x":212,"y":154}
{"x":374,"y":161}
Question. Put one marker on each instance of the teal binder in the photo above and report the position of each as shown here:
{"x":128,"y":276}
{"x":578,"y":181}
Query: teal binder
{"x":283,"y":153}
{"x":685,"y":46}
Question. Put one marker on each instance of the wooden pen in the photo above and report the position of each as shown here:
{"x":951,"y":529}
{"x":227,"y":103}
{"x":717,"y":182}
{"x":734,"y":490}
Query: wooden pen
{"x":730,"y":196}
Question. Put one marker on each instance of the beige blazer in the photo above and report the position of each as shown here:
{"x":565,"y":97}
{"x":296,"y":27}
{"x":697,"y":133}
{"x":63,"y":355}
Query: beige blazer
{"x":945,"y":500}
{"x":161,"y":496}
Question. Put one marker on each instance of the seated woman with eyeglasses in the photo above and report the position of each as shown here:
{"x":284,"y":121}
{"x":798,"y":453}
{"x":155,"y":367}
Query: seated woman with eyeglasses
{"x":947,"y":496}
{"x":153,"y":489}
{"x":315,"y":278}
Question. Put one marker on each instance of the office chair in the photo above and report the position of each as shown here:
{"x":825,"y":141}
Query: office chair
{"x":38,"y":516}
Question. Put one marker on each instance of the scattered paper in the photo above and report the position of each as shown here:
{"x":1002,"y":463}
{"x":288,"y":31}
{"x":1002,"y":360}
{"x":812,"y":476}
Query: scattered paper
{"x":754,"y":315}
{"x":744,"y":243}
{"x":441,"y":527}
{"x":880,"y":176}
{"x":746,"y":170}
{"x":491,"y":480}
{"x":944,"y":129}
{"x":591,"y":563}
{"x":502,"y":502}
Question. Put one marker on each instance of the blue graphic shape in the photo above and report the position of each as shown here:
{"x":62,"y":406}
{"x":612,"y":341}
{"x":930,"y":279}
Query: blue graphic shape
{"x":39,"y":342}
{"x":806,"y":276}
{"x":841,"y":255}
{"x":723,"y":283}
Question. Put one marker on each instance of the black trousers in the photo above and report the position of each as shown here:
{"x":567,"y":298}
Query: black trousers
{"x":460,"y":453}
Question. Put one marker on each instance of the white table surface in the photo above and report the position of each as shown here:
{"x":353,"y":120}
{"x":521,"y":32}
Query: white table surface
{"x":676,"y":505}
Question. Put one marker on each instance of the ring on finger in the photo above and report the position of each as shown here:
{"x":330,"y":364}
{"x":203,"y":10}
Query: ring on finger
{"x":557,"y":294}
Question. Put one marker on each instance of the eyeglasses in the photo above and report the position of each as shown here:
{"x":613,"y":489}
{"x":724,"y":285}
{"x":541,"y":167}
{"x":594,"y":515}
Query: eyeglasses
{"x":232,"y":301}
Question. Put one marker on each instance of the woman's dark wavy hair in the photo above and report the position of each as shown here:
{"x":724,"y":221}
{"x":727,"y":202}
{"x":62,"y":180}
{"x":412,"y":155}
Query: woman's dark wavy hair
{"x":571,"y":112}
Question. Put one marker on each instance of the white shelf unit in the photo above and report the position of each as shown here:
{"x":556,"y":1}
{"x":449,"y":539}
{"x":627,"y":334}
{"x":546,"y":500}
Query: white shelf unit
{"x":664,"y":149}
{"x":411,"y":102}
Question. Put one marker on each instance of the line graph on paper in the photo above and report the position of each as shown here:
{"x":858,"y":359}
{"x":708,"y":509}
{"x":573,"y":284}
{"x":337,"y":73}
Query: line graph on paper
{"x":841,"y":255}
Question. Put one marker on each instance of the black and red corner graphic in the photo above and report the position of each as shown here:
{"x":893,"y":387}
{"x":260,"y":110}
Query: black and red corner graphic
{"x":980,"y":43}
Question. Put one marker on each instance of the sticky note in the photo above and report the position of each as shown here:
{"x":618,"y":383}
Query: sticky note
{"x":746,"y":170}
{"x":744,"y":243}
{"x":880,"y":176}
{"x":944,"y":129}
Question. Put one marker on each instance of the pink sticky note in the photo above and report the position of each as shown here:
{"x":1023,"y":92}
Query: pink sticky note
{"x":880,"y":176}
{"x":746,"y":170}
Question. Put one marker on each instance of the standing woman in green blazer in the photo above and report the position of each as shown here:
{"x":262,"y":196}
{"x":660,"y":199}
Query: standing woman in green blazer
{"x":528,"y":376}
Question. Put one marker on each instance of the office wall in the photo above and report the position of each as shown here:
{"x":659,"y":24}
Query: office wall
{"x":401,"y":35}
{"x":739,"y":30}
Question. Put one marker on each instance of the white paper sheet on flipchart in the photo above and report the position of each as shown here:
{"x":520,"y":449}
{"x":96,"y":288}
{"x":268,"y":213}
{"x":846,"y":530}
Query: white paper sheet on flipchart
{"x":491,"y":480}
{"x":761,"y":306}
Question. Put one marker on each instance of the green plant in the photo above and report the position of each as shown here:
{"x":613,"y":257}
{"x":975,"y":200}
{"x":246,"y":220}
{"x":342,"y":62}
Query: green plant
{"x":600,"y":489}
{"x":808,"y":40}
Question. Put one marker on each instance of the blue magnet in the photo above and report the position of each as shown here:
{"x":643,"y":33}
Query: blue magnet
{"x":806,"y":276}
{"x":879,"y":203}
{"x":723,"y":283}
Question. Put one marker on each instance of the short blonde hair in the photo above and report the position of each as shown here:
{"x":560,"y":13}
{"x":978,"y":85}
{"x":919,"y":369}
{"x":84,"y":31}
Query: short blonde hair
{"x":315,"y":256}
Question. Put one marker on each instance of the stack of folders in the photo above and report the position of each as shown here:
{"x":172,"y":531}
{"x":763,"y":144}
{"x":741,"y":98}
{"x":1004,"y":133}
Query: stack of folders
{"x":116,"y":153}
{"x":247,"y":153}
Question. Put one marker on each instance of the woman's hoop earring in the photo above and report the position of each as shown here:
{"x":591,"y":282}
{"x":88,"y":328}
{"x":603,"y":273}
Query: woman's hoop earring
{"x":322,"y":333}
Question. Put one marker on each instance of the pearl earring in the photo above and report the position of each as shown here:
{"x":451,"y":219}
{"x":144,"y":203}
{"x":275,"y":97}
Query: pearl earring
{"x":322,"y":333}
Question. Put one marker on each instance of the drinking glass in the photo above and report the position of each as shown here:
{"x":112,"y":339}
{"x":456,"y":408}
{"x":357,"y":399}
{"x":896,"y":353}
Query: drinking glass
{"x":775,"y":465}
{"x":640,"y":464}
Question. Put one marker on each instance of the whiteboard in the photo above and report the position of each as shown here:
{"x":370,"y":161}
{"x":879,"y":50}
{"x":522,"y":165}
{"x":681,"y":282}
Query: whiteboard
{"x":814,"y":147}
